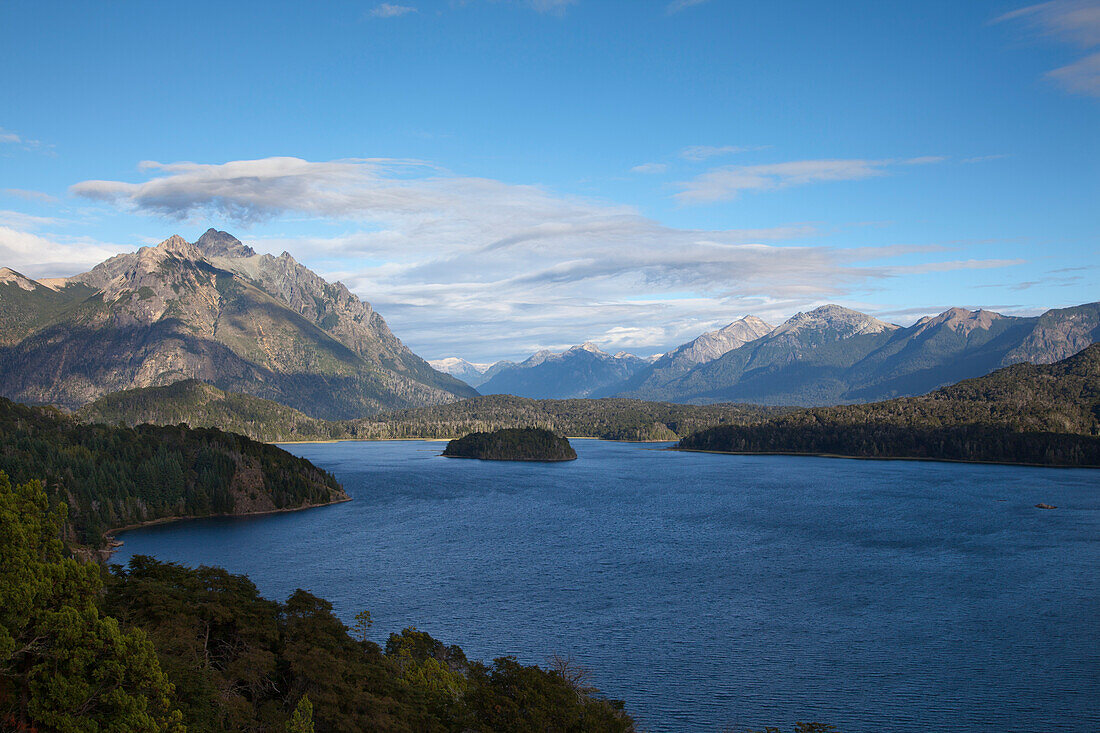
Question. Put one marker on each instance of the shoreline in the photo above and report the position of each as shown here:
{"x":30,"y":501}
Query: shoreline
{"x":113,"y":543}
{"x":513,"y":460}
{"x":444,"y":440}
{"x":878,"y":458}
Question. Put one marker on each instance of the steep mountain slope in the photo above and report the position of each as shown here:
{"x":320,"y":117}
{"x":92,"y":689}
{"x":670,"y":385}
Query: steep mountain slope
{"x":834,"y":355}
{"x":699,"y":350}
{"x":803,"y":361}
{"x":581,"y":371}
{"x":1025,"y":413}
{"x":167,"y":313}
{"x":1058,"y":334}
{"x":26,"y":305}
{"x":330,"y":306}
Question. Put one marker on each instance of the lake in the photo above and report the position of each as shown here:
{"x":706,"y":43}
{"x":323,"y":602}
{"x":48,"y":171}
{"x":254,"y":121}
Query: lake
{"x":713,"y":592}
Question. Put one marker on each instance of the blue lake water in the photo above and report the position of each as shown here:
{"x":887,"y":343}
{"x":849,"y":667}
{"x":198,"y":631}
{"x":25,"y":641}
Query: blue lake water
{"x":712,"y":592}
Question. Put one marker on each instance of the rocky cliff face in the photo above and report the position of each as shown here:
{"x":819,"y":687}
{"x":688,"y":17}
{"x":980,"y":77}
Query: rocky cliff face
{"x":216,"y":311}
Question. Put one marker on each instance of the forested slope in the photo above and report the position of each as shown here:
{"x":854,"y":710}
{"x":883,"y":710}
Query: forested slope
{"x":115,"y":476}
{"x":1025,"y":413}
{"x":199,"y":404}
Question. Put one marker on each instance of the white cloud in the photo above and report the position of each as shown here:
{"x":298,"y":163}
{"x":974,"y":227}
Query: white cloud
{"x":702,"y":152}
{"x":30,"y":195}
{"x":678,"y":5}
{"x":1075,"y":22}
{"x":388,"y":10}
{"x":8,"y":137}
{"x":1080,"y":77}
{"x":551,"y":6}
{"x":723,"y":184}
{"x":39,"y":256}
{"x":486,"y":269}
{"x":649,"y":168}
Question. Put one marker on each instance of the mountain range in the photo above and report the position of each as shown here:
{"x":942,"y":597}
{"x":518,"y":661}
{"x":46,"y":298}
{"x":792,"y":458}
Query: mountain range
{"x":830,"y":355}
{"x":581,"y":371}
{"x":212,"y":310}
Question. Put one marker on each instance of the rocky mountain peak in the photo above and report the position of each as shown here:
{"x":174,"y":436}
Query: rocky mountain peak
{"x":9,"y":276}
{"x":960,"y":320}
{"x":214,"y":243}
{"x":588,"y":346}
{"x":844,"y":321}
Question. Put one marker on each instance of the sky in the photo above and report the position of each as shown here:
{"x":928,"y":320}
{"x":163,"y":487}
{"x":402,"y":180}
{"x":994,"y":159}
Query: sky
{"x":500,"y":176}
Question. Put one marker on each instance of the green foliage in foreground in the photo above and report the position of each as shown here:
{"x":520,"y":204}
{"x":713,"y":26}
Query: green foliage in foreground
{"x":64,"y":665}
{"x":1026,"y":413}
{"x":114,"y":476}
{"x":201,"y":405}
{"x":157,"y":646}
{"x":512,"y":444}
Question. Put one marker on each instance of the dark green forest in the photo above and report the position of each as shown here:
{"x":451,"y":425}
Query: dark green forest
{"x":512,"y":444}
{"x":1026,"y":413}
{"x":199,"y":404}
{"x":159,"y":647}
{"x":114,"y":476}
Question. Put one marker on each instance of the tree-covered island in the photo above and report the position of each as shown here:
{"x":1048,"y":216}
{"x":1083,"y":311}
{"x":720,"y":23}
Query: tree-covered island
{"x":512,"y":444}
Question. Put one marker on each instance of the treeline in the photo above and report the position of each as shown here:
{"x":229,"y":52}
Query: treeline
{"x":954,"y":443}
{"x":199,"y":404}
{"x":160,"y":647}
{"x":115,"y":476}
{"x":512,"y":444}
{"x":1026,"y":413}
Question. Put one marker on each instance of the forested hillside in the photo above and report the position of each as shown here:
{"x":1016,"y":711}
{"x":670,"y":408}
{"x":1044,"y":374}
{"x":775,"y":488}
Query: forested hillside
{"x":1025,"y":413}
{"x":115,"y":476}
{"x":199,"y":404}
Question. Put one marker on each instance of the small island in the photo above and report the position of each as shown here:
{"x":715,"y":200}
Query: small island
{"x":512,"y":444}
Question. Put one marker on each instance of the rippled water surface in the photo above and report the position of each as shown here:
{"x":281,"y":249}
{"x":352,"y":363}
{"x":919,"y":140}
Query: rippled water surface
{"x":712,"y":592}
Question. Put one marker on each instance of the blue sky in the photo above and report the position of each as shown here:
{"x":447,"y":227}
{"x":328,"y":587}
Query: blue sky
{"x":502,"y":176}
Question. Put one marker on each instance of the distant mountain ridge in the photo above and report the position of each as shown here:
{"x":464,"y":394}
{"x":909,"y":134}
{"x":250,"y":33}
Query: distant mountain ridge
{"x":835,"y":355}
{"x":212,"y":310}
{"x":829,"y":355}
{"x":580,"y":371}
{"x":469,"y":372}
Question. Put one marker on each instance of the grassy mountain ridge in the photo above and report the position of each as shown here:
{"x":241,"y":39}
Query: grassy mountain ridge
{"x":1025,"y":413}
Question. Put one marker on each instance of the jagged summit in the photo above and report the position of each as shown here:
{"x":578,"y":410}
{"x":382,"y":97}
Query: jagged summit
{"x":713,"y":344}
{"x":960,"y":320}
{"x":216,"y":311}
{"x":844,"y":321}
{"x":214,"y":243}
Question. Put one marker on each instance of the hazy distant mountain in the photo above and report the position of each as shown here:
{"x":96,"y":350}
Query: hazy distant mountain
{"x":835,"y":355}
{"x":215,"y":311}
{"x":469,"y":372}
{"x":699,"y":350}
{"x":581,"y":371}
